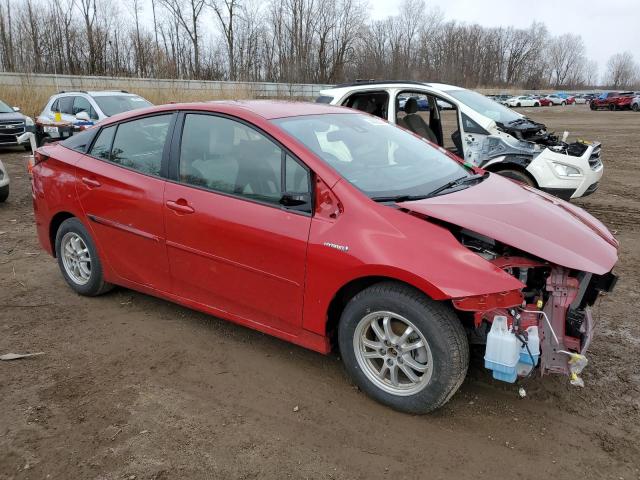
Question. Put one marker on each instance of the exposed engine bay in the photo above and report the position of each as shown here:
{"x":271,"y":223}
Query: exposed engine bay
{"x":556,"y":301}
{"x":531,"y":134}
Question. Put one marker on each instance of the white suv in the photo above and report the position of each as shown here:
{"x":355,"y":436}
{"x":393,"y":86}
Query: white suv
{"x":86,"y":108}
{"x":481,"y":131}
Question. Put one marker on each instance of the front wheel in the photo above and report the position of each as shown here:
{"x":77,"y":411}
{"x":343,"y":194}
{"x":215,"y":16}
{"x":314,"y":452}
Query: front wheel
{"x":635,"y":107}
{"x":78,"y":259}
{"x":536,"y":104}
{"x":402,"y":348}
{"x":563,"y":103}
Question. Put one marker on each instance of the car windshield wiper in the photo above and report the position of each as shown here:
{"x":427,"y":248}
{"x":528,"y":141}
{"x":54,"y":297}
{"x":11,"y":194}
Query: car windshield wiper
{"x":399,"y":198}
{"x":458,"y":182}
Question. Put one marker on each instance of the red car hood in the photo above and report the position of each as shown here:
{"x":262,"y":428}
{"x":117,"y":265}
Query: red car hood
{"x":527,"y":219}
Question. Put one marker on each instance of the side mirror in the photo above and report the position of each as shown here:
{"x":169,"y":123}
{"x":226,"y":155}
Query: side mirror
{"x":16,"y":109}
{"x":84,"y":116}
{"x":291,"y":199}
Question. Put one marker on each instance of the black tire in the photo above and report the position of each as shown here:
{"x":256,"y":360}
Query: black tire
{"x":612,"y":107}
{"x":563,"y":104}
{"x":536,"y":104}
{"x":438,"y":324}
{"x":95,"y":285}
{"x":592,"y":106}
{"x":518,"y":104}
{"x":4,"y":193}
{"x":518,"y":175}
{"x":635,"y":107}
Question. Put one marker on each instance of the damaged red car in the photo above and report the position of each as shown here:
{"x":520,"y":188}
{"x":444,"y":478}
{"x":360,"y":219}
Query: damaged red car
{"x":328,"y":228}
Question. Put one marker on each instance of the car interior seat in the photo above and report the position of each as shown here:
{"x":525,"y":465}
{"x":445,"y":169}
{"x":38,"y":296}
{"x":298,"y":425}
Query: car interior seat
{"x":414,"y":121}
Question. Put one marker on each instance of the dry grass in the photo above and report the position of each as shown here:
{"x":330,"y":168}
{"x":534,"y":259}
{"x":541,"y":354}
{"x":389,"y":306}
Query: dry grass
{"x":32,"y":99}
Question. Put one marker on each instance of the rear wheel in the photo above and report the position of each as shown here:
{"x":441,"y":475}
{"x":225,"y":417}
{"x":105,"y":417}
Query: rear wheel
{"x":78,"y":259}
{"x":518,"y":104}
{"x":592,"y":106}
{"x":4,"y":193}
{"x":563,"y":103}
{"x":402,"y":348}
{"x":612,"y":107}
{"x":536,"y":104}
{"x":635,"y":107}
{"x":517,"y":175}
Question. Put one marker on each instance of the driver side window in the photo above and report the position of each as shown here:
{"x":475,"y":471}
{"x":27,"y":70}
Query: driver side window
{"x":227,"y":156}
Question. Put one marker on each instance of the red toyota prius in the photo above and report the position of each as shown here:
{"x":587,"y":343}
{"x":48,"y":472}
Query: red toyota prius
{"x":322,"y":226}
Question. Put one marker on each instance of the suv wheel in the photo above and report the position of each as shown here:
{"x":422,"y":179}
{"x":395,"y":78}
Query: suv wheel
{"x":4,"y":193}
{"x":78,"y":259}
{"x":402,"y":348}
{"x":517,"y":175}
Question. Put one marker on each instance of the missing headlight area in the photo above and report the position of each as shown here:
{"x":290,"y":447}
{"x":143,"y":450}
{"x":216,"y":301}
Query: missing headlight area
{"x":548,"y":323}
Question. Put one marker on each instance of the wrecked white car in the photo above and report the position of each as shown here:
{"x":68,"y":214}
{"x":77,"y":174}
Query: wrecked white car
{"x":481,"y":131}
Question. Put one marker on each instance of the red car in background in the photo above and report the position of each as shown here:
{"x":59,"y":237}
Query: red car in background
{"x":543,"y":101}
{"x":323,"y":225}
{"x":613,"y":101}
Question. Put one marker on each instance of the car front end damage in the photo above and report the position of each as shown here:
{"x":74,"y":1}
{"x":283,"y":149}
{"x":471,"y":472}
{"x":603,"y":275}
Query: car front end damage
{"x":561,"y":256}
{"x":566,"y":170}
{"x":557,"y":301}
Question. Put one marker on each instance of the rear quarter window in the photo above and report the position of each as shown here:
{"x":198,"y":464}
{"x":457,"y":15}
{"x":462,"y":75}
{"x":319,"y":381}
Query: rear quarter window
{"x":324,"y":99}
{"x":80,"y":141}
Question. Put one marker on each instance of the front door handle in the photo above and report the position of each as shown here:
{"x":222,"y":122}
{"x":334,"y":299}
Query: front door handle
{"x":90,"y":182}
{"x":180,"y":206}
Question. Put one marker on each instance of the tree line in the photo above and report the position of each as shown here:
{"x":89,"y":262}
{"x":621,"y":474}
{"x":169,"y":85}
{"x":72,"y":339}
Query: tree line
{"x":301,"y":41}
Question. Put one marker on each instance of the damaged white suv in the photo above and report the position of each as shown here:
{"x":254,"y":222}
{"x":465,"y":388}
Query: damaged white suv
{"x":481,"y":131}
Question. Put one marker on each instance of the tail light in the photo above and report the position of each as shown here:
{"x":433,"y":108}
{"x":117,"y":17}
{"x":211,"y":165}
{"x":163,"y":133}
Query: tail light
{"x":38,"y":157}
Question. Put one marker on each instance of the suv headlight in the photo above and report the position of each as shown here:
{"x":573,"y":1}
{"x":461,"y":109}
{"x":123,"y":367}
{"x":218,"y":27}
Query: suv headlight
{"x":28,"y":121}
{"x":566,"y":170}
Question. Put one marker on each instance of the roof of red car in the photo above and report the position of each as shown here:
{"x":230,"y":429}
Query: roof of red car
{"x":270,"y":109}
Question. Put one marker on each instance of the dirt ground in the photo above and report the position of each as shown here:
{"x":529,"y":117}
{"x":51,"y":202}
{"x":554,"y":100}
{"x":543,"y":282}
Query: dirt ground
{"x":133,"y":387}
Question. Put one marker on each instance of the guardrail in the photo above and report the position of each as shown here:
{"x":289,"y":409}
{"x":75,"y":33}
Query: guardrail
{"x":216,"y":88}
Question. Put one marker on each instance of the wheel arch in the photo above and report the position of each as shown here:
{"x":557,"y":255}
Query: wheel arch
{"x":54,"y":225}
{"x":350,"y":289}
{"x":515,"y":163}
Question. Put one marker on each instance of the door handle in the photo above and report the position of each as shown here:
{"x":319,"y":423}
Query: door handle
{"x":91,"y":183}
{"x":180,"y":206}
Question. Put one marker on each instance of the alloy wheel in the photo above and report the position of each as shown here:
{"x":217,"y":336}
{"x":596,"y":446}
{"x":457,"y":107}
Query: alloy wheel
{"x":393,"y":353}
{"x":76,"y":258}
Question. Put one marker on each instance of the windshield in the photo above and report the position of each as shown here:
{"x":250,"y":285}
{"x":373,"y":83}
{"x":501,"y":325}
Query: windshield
{"x":4,"y":108}
{"x":380,"y":159}
{"x":113,"y":104}
{"x":485,"y":106}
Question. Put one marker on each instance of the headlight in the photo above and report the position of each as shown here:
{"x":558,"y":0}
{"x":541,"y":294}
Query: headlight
{"x":28,"y":121}
{"x":566,"y":170}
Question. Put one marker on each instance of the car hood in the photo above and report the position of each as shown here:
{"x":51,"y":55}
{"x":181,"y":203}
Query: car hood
{"x":11,"y":116}
{"x":529,"y":220}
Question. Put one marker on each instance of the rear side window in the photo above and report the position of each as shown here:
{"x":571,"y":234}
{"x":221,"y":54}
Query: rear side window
{"x":65,"y":105}
{"x":81,"y":104}
{"x":102,"y":146}
{"x":324,"y":99}
{"x":80,"y":141}
{"x":139,"y":144}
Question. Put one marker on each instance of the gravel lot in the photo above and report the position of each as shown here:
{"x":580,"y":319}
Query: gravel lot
{"x":131,"y":386}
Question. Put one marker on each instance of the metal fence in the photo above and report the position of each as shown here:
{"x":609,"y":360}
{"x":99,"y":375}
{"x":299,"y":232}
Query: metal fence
{"x":217,"y":89}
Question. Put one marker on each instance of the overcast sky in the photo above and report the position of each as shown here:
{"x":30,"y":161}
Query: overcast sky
{"x":607,"y":27}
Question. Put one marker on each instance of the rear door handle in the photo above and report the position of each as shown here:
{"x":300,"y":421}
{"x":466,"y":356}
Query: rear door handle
{"x":180,"y":206}
{"x":91,"y":182}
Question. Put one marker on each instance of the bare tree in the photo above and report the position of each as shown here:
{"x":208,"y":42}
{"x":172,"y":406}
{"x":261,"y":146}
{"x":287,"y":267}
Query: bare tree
{"x":622,"y":70}
{"x":566,"y":59}
{"x":187,"y":15}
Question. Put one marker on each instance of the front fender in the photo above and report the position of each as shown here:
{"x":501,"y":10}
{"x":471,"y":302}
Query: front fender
{"x":374,"y":240}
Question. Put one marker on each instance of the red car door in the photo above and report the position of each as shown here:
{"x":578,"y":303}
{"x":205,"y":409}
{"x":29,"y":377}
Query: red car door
{"x":121,"y":192}
{"x":231,"y":245}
